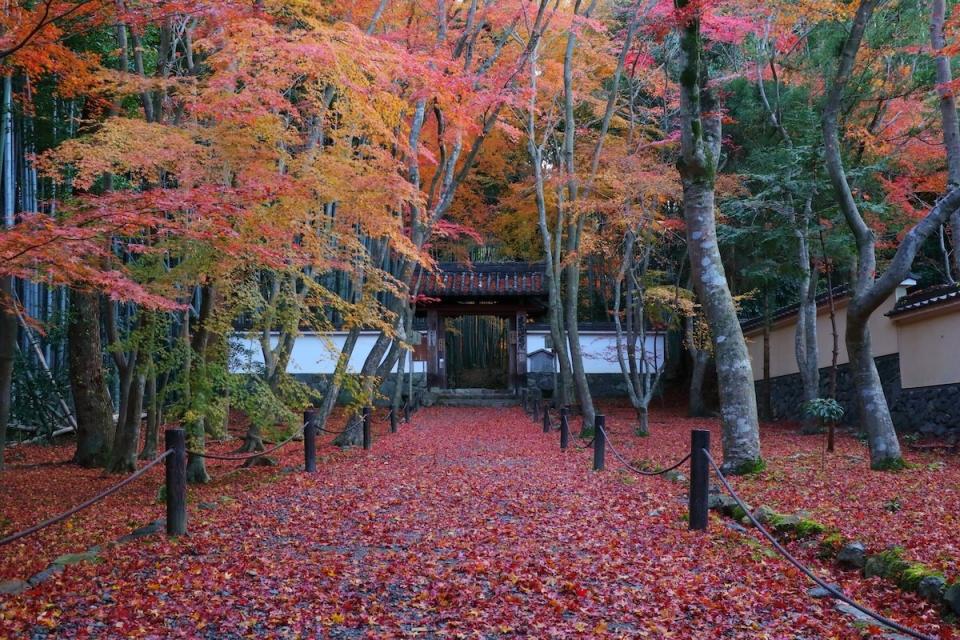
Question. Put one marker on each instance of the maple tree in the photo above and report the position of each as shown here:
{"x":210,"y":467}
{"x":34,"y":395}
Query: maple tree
{"x":188,"y":187}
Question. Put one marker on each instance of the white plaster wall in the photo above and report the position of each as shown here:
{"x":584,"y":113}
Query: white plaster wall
{"x":783,"y":358}
{"x":600,"y":349}
{"x":315,"y":353}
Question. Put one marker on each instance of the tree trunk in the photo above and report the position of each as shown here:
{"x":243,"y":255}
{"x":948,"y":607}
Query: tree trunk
{"x":152,"y":433}
{"x":353,"y":436}
{"x":949,"y":121}
{"x":696,"y":404}
{"x":805,"y":340}
{"x":336,"y":382}
{"x":88,"y":385}
{"x":874,"y":415}
{"x":870,"y":287}
{"x":766,"y":390}
{"x":738,"y":410}
{"x":574,"y":231}
{"x":8,"y":348}
{"x":643,"y":421}
{"x":700,"y":151}
{"x":123,"y":456}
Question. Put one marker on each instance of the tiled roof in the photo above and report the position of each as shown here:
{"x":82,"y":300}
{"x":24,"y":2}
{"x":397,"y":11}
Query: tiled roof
{"x":840,"y":292}
{"x":485,"y":279}
{"x":926,"y":298}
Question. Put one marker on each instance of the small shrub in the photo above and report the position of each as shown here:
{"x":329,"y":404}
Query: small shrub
{"x":825,"y":410}
{"x":893,"y":505}
{"x":910,"y":438}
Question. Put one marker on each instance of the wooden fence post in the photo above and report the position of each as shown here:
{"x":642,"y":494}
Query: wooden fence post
{"x":564,"y":429}
{"x":546,"y":417}
{"x":176,"y":477}
{"x":367,"y":442}
{"x":310,"y":440}
{"x":599,"y":442}
{"x":699,"y":479}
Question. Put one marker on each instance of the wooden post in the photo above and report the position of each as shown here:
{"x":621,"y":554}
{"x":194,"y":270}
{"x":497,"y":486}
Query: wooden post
{"x":393,"y":420}
{"x":523,"y":400}
{"x":406,"y":411}
{"x":564,"y":429}
{"x":536,"y":409}
{"x":367,"y":442}
{"x":176,"y":468}
{"x":310,"y":440}
{"x":699,"y":479}
{"x":546,"y":417}
{"x":599,"y":442}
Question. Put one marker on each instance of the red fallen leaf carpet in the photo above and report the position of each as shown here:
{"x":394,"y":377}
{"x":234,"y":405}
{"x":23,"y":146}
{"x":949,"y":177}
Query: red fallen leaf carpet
{"x":468,"y":524}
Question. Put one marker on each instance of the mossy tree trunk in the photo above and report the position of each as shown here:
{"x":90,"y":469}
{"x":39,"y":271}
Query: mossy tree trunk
{"x":700,"y":118}
{"x":870,"y":286}
{"x":88,"y":383}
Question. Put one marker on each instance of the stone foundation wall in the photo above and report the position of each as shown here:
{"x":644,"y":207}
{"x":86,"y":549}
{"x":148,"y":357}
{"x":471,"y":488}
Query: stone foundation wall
{"x":321,"y":381}
{"x":602,"y":385}
{"x":927,"y":410}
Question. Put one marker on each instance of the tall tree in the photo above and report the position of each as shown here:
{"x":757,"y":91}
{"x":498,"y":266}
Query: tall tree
{"x":870,"y":286}
{"x":700,"y":139}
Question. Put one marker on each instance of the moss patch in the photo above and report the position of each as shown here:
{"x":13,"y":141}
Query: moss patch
{"x":751,"y":467}
{"x":910,"y":578}
{"x":890,"y":464}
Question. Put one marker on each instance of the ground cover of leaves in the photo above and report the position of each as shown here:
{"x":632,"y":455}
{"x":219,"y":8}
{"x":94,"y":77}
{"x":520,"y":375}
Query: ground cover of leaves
{"x":471,"y":523}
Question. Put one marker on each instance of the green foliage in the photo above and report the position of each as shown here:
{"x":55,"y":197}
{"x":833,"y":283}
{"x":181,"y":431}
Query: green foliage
{"x":826,"y":410}
{"x":266,"y":409}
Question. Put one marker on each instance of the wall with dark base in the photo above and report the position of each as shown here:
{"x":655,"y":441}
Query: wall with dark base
{"x":321,"y":381}
{"x":926,"y":410}
{"x":602,"y":385}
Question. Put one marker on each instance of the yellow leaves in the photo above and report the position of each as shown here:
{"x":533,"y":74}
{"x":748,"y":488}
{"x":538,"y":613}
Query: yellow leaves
{"x":813,"y":11}
{"x":120,"y":146}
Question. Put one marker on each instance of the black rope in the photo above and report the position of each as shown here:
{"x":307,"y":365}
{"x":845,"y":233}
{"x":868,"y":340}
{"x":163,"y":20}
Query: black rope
{"x":586,"y":446}
{"x":836,"y":594}
{"x":88,"y":503}
{"x":349,"y":426}
{"x":629,"y":466}
{"x":250,"y":456}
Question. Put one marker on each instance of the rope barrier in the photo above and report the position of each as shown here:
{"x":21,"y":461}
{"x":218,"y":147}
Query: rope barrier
{"x":88,"y":503}
{"x":350,"y":426}
{"x":255,"y":454}
{"x":834,"y":593}
{"x":586,"y":446}
{"x":623,"y":461}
